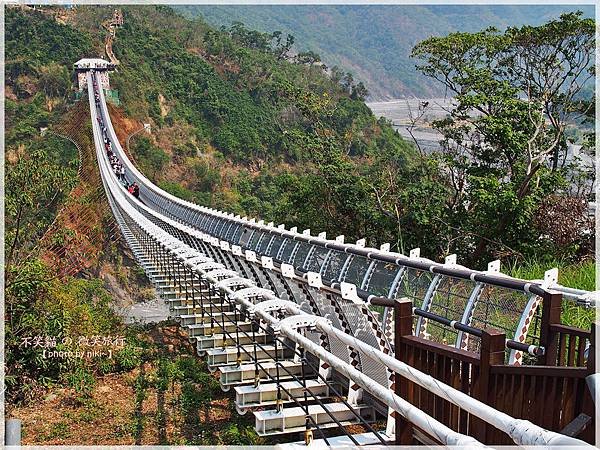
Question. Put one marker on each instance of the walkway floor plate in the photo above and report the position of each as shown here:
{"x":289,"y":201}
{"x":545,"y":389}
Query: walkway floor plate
{"x":266,"y":393}
{"x":292,"y":420}
{"x":244,"y":373}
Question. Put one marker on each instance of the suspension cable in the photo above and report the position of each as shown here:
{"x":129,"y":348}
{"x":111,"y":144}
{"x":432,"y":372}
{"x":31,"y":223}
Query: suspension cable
{"x":291,"y":375}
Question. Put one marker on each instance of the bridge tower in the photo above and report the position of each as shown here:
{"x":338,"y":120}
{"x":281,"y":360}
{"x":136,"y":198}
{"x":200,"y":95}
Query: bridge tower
{"x":117,"y":19}
{"x":100,"y":66}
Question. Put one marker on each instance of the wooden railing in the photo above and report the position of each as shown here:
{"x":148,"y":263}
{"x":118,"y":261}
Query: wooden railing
{"x":565,"y":346}
{"x":553,"y":395}
{"x":571,"y":345}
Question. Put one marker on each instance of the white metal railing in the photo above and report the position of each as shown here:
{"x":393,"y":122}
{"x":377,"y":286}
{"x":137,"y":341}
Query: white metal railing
{"x":521,"y":431}
{"x":585,"y":298}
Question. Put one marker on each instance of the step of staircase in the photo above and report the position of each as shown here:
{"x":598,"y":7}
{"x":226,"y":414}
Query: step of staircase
{"x":165,"y":279}
{"x":178,"y":307}
{"x":341,"y":441}
{"x":227,"y":356}
{"x":192,"y":319}
{"x":195,"y":290}
{"x":204,"y":343}
{"x":176,"y":294}
{"x":156,"y":270}
{"x":203,"y":329}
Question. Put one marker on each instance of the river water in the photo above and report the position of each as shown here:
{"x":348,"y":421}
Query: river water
{"x":400,"y":112}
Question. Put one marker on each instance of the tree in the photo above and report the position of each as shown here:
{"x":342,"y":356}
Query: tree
{"x":503,"y":140}
{"x":348,"y":81}
{"x":17,"y":67}
{"x":309,"y":58}
{"x":151,"y":158}
{"x":359,"y":92}
{"x":336,"y":74}
{"x":54,"y":80}
{"x":250,"y":38}
{"x":34,"y":186}
{"x":213,"y":43}
{"x":281,"y":49}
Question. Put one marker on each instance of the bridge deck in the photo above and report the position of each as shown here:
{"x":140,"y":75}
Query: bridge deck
{"x":330,"y":286}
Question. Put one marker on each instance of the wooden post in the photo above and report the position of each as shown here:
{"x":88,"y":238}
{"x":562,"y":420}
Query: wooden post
{"x":591,"y":404}
{"x":403,"y":320}
{"x":493,"y":344}
{"x":591,"y":361}
{"x":551,"y":309}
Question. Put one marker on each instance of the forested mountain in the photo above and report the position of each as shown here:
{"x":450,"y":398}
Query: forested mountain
{"x":374,"y":42}
{"x":242,"y":123}
{"x":237,"y":125}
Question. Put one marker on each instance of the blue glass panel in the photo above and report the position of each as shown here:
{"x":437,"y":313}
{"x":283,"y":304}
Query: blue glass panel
{"x":301,"y":254}
{"x":264,"y":243}
{"x":275,"y":246}
{"x":237,"y":235}
{"x":287,"y":250}
{"x":334,"y":265}
{"x":317,"y":259}
{"x":254,"y":240}
{"x":245,"y":237}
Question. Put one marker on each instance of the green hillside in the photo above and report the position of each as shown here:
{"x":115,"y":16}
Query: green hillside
{"x":250,"y":131}
{"x":236,"y":124}
{"x":240,"y":124}
{"x":374,"y":42}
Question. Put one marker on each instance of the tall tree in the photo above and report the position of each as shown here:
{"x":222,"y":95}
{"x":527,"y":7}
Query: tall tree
{"x":34,"y":186}
{"x":504,"y":140}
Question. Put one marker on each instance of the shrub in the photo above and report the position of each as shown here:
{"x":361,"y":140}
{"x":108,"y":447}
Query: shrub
{"x":61,"y":311}
{"x":129,"y":357}
{"x":82,"y":380}
{"x":106,"y":365}
{"x":151,"y":158}
{"x":239,"y":435}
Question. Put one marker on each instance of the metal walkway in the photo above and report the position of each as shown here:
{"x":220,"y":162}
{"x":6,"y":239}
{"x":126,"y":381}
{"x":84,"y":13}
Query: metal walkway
{"x":291,"y":322}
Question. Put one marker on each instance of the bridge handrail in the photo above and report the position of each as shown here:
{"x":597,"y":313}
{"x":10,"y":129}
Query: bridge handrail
{"x":418,"y":263}
{"x":120,"y":199}
{"x":524,"y":432}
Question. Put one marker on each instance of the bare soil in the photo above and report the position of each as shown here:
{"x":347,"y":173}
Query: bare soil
{"x":109,"y":415}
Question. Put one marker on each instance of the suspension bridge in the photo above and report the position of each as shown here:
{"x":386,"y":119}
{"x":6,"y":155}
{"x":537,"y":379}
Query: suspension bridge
{"x":333,"y":343}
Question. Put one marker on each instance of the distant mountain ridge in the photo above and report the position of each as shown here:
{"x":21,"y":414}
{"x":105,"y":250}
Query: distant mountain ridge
{"x":374,"y":41}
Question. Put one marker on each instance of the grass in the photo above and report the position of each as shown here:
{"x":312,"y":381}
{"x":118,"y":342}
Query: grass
{"x":581,"y":275}
{"x":93,"y":411}
{"x":58,"y":430}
